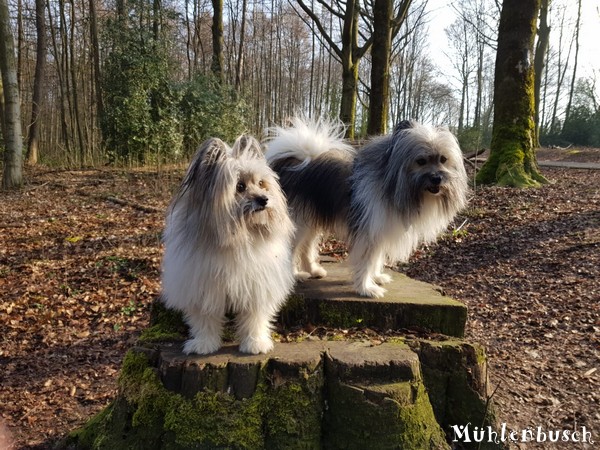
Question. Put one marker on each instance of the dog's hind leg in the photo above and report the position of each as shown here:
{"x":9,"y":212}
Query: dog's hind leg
{"x":254,"y":330}
{"x":205,"y":329}
{"x":306,"y":253}
{"x":366,"y":262}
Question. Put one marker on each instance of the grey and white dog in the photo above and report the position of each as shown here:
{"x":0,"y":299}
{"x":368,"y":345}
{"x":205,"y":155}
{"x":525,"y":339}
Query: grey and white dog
{"x":385,"y":199}
{"x":228,"y":246}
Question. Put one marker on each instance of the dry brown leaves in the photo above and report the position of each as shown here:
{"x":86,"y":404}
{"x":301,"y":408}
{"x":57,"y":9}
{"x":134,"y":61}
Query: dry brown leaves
{"x":79,"y":271}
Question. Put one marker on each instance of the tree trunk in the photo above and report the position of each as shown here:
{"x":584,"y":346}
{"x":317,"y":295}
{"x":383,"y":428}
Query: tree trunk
{"x":96,"y":59}
{"x":217,"y":40}
{"x":575,"y":61}
{"x":76,"y":116}
{"x":539,"y":63}
{"x":512,"y":158}
{"x":38,"y":83}
{"x":239,"y":65}
{"x":380,"y":66}
{"x":385,"y":26}
{"x":13,"y":139}
{"x":349,"y":67}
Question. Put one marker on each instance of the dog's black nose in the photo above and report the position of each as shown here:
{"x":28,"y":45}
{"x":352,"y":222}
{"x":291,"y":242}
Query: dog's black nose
{"x":435,"y":179}
{"x":262,"y":200}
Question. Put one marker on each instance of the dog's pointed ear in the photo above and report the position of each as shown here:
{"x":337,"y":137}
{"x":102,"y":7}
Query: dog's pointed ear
{"x":208,"y":165}
{"x":403,"y":125}
{"x":247,"y":146}
{"x":212,"y":151}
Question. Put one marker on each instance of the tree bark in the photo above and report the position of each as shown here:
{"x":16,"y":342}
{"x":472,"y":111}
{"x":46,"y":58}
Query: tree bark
{"x":12,"y":176}
{"x":512,"y":159}
{"x":239,"y":65}
{"x":575,"y":61}
{"x":349,"y":67}
{"x":539,"y":63}
{"x":380,"y":66}
{"x":217,"y":40}
{"x":383,"y":28}
{"x":96,"y":59}
{"x":38,"y":83}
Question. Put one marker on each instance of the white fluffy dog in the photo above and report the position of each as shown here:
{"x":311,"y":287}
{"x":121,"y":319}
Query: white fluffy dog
{"x":385,"y":199}
{"x":228,"y":247}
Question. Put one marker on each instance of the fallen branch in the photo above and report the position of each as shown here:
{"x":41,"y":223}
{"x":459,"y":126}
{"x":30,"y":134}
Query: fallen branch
{"x":475,"y":153}
{"x":132,"y":204}
{"x":471,"y":163}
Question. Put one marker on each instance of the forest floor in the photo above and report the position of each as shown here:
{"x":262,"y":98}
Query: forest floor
{"x":79,"y":266}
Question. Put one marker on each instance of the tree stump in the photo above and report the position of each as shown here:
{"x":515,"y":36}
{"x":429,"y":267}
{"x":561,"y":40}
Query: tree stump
{"x":404,"y":393}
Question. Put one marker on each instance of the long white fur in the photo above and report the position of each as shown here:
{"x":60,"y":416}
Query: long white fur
{"x":218,"y":257}
{"x":305,"y":140}
{"x":386,"y":218}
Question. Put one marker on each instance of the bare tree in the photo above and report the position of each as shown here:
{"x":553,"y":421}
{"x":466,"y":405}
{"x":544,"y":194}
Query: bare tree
{"x":539,"y":62}
{"x":575,"y":61}
{"x":217,"y":40}
{"x":13,"y":138}
{"x":348,"y":52}
{"x":38,"y":83}
{"x":239,"y":66}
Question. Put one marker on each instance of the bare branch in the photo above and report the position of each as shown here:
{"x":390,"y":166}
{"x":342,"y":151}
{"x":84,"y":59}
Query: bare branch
{"x":319,"y":25}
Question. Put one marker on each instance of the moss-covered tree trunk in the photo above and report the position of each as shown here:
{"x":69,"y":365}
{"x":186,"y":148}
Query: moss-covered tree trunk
{"x":512,"y":158}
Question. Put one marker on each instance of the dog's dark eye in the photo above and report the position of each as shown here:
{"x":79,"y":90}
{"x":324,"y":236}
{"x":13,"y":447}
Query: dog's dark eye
{"x":261,"y":184}
{"x":240,"y":187}
{"x":421,"y":161}
{"x":443,"y":160}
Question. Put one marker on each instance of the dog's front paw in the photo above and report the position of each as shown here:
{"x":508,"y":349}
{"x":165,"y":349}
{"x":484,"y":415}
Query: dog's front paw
{"x":255,"y":346}
{"x":201,"y":346}
{"x":370,"y":290}
{"x":301,"y":275}
{"x":318,"y":272}
{"x":382,"y":278}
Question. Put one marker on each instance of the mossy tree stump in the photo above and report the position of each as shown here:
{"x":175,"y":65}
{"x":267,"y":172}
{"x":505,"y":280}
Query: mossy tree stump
{"x":313,"y":394}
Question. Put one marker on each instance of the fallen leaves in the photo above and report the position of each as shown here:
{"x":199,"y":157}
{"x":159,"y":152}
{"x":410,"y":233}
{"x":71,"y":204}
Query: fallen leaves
{"x":528,"y":270}
{"x":78,"y":273}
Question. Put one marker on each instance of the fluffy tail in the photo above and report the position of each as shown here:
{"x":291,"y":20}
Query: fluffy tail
{"x":305,"y":140}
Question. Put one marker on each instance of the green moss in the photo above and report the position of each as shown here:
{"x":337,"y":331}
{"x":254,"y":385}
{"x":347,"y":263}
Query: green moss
{"x":511,"y":162}
{"x":343,"y":315}
{"x":512,"y":157}
{"x":454,"y":373}
{"x":165,"y":325}
{"x":294,"y":311}
{"x":215,"y":419}
{"x":293,"y":412}
{"x":280,"y":414}
{"x":396,"y":415}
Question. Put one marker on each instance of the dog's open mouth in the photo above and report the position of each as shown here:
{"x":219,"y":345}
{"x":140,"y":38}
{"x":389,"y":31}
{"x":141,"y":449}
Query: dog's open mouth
{"x":434,"y":189}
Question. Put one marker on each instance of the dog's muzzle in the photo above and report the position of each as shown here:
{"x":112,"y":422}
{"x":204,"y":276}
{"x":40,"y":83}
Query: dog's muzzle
{"x":260,"y":202}
{"x":435,"y":181}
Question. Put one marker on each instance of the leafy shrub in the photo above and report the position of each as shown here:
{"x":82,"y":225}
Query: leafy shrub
{"x":140,"y":120}
{"x":209,"y":109}
{"x":473,"y":138}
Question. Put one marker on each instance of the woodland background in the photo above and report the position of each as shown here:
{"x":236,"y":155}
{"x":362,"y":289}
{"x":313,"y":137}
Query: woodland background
{"x":141,"y":82}
{"x":144,"y":81}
